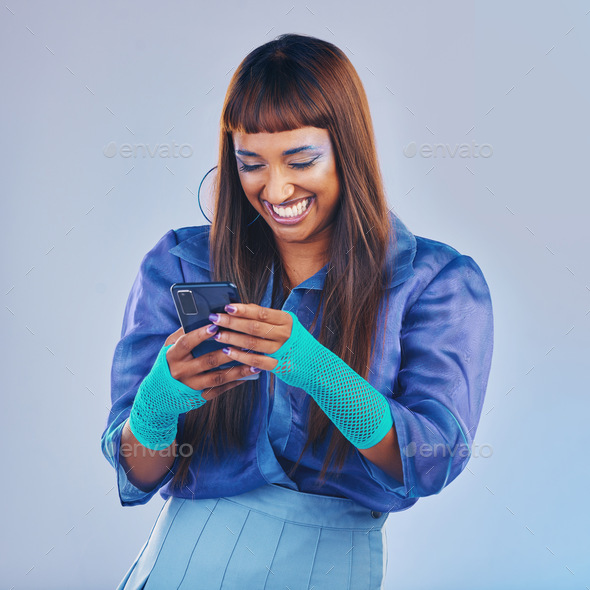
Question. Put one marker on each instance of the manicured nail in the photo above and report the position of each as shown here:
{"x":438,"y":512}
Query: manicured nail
{"x":255,"y":369}
{"x":212,"y":329}
{"x":230,"y":309}
{"x":226,"y":349}
{"x":213,"y":317}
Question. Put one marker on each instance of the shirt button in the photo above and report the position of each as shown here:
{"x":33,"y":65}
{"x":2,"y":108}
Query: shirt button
{"x":376,"y":514}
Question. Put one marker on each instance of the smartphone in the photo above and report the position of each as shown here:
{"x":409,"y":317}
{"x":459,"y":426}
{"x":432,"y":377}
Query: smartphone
{"x":194,"y":302}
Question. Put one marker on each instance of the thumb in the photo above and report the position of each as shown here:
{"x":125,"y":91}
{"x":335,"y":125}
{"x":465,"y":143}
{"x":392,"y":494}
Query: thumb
{"x":174,"y":336}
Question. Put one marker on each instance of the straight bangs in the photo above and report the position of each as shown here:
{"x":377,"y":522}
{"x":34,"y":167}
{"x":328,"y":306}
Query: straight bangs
{"x":277,"y":97}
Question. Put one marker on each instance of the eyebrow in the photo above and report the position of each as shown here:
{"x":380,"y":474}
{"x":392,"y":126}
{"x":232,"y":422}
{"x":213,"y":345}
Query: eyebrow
{"x":296,"y":150}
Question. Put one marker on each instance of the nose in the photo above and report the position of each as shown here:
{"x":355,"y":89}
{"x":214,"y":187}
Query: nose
{"x":279,"y":189}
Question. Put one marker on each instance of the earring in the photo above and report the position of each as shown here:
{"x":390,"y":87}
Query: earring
{"x":199,"y":199}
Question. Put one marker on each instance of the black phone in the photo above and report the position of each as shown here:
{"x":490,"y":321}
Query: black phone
{"x":194,"y":302}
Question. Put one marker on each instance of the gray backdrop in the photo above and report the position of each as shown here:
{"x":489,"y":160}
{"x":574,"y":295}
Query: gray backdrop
{"x":81,"y":79}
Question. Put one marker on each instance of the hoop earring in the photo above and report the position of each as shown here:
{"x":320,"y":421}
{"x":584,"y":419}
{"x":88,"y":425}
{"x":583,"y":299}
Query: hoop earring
{"x":199,"y":199}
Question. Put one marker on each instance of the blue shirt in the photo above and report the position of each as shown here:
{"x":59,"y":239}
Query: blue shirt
{"x":432,"y":364}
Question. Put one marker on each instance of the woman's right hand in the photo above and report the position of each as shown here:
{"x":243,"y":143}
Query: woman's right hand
{"x":191,"y":371}
{"x":178,"y":383}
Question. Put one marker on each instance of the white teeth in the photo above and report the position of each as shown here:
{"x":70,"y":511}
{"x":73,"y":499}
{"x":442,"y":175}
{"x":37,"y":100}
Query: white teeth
{"x":293,"y":211}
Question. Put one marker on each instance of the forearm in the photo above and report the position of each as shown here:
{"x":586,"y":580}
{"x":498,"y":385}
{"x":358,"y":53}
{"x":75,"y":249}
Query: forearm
{"x":386,"y":455}
{"x":357,"y":409}
{"x":145,"y":467}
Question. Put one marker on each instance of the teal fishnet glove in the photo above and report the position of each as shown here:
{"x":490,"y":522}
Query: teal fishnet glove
{"x":356,"y":408}
{"x":159,"y":401}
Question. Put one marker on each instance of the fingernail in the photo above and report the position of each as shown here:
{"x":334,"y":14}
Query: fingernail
{"x":212,"y":329}
{"x":230,"y":309}
{"x":255,"y":369}
{"x":226,"y":349}
{"x":213,"y":317}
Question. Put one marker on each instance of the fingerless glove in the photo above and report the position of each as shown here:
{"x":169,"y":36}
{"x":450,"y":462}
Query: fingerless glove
{"x":159,"y":401}
{"x":356,"y":408}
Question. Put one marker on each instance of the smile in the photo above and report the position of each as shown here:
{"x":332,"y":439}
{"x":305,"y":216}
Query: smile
{"x":291,"y":215}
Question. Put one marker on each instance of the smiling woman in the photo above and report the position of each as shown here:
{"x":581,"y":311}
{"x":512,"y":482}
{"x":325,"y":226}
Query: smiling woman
{"x":359,"y":329}
{"x":296,"y":189}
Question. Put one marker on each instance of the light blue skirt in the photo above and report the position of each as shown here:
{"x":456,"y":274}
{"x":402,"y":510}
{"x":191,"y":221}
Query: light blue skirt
{"x":270,"y":538}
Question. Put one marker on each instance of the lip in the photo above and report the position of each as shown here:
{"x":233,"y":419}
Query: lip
{"x":289,"y":220}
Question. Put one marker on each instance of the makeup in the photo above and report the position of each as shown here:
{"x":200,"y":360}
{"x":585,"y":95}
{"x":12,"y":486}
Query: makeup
{"x":291,"y":220}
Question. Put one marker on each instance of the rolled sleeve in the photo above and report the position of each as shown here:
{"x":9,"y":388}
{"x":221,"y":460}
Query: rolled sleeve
{"x":446,"y":345}
{"x":149,"y":318}
{"x":129,"y":494}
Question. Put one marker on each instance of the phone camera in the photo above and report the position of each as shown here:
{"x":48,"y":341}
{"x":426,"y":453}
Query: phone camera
{"x":187,"y":302}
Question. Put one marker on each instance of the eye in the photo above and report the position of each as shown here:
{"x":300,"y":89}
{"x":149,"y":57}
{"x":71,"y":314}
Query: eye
{"x":246,"y":168}
{"x":304,"y":165}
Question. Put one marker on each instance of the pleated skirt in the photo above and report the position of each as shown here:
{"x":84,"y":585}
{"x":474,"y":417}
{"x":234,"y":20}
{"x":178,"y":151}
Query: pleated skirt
{"x":270,"y":538}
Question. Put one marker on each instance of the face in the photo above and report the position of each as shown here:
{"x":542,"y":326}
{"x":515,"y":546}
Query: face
{"x":296,"y":172}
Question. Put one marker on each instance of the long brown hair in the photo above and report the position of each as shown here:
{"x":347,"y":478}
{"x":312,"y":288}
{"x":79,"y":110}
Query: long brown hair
{"x":291,"y":82}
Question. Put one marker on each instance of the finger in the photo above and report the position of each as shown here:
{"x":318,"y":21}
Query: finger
{"x":252,"y":311}
{"x":206,"y":381}
{"x":216,"y":391}
{"x":247,"y":341}
{"x":174,"y":336}
{"x":257,"y":325}
{"x":185,"y":343}
{"x":266,"y":363}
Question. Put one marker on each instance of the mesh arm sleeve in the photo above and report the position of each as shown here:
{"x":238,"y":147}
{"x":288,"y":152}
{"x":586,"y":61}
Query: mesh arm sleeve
{"x":355,"y":407}
{"x":158,"y":403}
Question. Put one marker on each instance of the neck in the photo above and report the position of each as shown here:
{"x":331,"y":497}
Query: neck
{"x":302,"y":260}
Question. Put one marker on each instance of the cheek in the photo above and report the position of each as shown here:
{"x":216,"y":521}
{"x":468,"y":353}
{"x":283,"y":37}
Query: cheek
{"x":249,"y":185}
{"x":247,"y":190}
{"x":251,"y":191}
{"x":325,"y":179}
{"x":329,"y":187}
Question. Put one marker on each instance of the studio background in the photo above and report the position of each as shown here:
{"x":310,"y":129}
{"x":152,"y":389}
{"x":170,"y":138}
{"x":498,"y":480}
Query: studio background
{"x":82,"y":80}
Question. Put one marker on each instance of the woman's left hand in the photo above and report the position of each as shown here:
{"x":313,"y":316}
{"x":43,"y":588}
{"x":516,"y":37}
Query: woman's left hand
{"x":261,"y":330}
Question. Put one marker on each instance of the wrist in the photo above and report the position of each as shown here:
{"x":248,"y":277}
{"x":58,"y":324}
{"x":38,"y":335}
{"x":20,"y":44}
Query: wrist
{"x":384,"y":427}
{"x":155,"y":431}
{"x":293,"y":368}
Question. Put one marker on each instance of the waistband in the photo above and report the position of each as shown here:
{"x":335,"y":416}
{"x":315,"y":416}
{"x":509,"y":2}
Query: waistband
{"x":310,"y":509}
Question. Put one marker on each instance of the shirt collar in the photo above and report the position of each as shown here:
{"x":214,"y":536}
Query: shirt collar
{"x":400,"y":255}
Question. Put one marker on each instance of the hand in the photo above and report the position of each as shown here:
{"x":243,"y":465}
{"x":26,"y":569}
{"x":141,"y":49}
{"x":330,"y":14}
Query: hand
{"x":263,"y":330}
{"x":191,"y":371}
{"x":178,"y":383}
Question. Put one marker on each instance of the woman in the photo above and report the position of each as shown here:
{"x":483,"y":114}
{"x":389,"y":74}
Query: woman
{"x":372,"y":345}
